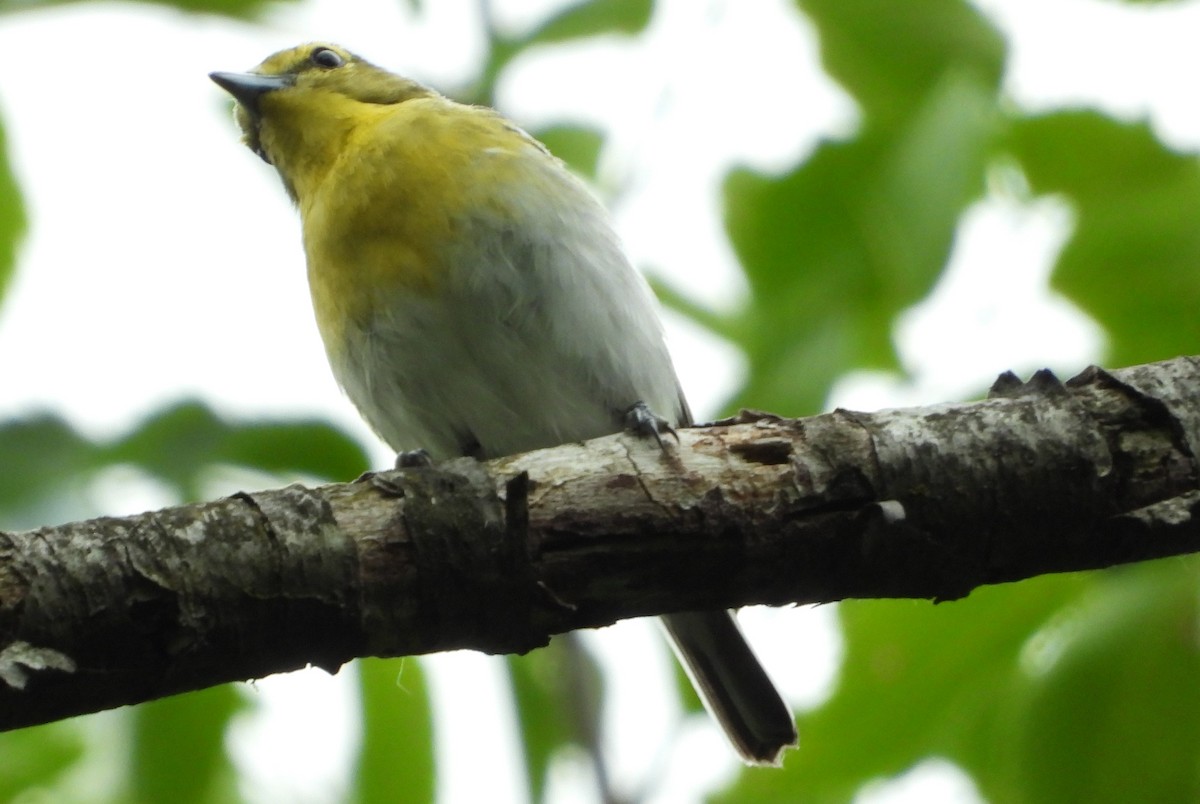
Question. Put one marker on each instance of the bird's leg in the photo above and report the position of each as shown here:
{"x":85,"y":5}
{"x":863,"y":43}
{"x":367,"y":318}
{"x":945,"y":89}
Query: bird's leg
{"x":643,"y":422}
{"x":413,"y":459}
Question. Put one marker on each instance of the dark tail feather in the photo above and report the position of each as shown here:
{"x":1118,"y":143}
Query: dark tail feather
{"x":733,"y":685}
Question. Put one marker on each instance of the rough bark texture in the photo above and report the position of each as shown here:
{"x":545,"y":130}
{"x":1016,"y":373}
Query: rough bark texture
{"x":924,"y":502}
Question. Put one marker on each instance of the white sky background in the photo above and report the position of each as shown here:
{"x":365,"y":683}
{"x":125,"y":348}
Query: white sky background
{"x":163,"y":261}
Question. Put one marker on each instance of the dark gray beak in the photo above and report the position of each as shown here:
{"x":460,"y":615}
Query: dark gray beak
{"x":247,"y":88}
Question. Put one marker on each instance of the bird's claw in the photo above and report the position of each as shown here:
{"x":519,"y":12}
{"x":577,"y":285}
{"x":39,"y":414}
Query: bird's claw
{"x":643,"y":422}
{"x":413,"y":459}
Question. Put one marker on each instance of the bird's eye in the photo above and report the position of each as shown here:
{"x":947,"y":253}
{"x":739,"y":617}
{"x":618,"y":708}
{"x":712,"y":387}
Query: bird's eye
{"x":324,"y":57}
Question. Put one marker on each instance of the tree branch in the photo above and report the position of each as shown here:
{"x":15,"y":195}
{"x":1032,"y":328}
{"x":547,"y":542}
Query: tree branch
{"x":924,"y":502}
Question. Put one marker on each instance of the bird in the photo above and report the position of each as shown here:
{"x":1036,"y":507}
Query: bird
{"x":474,"y":300}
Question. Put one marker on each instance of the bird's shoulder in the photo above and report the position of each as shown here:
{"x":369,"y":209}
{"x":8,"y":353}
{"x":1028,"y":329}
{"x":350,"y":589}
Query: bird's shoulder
{"x":447,"y":151}
{"x":429,"y":169}
{"x":430,"y":191}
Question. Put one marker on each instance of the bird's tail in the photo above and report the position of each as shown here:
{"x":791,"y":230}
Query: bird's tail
{"x":732,"y":684}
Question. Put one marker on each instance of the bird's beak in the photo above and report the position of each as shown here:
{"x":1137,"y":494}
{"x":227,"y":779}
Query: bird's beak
{"x":247,"y":88}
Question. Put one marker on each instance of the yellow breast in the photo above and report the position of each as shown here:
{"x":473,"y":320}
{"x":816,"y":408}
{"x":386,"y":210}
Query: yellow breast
{"x":386,"y":217}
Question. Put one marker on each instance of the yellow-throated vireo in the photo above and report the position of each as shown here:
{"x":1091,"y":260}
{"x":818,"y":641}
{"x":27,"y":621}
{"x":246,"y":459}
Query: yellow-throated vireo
{"x":474,"y":300}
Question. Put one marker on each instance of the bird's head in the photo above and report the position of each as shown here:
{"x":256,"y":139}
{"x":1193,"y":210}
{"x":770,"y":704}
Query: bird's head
{"x":292,"y":98}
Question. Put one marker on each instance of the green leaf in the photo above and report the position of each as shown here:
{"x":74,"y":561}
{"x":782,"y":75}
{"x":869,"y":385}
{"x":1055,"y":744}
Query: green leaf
{"x":594,"y":17}
{"x":177,"y":443}
{"x":12,"y":217}
{"x":46,"y":463}
{"x":891,"y":55}
{"x":179,"y":748}
{"x":396,"y":761}
{"x":583,"y":19}
{"x":935,"y":167}
{"x":836,"y":249}
{"x":1131,"y":262}
{"x":558,"y":690}
{"x":39,"y":456}
{"x":245,"y":9}
{"x":798,"y":241}
{"x":1060,"y":688}
{"x":242,"y":9}
{"x":35,"y":758}
{"x":1112,"y":712}
{"x":918,"y":680}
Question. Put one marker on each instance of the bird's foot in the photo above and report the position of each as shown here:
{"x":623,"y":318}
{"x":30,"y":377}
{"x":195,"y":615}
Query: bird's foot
{"x":645,"y":423}
{"x":413,"y":459}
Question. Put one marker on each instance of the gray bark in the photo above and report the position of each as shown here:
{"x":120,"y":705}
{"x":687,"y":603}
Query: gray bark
{"x":924,"y":502}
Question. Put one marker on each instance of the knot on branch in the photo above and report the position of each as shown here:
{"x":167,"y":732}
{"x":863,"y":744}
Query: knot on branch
{"x":473,"y":572}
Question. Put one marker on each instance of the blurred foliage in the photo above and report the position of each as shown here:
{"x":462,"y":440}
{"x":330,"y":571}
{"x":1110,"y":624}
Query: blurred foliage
{"x":34,"y":759}
{"x":579,"y":147}
{"x":577,"y":20}
{"x":861,"y":230}
{"x":176,"y":746}
{"x":168,"y":769}
{"x":12,"y":217}
{"x":1063,"y":688}
{"x":1132,"y":261}
{"x":240,"y":9}
{"x":178,"y":447}
{"x":397,"y":733}
{"x":558,"y":691}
